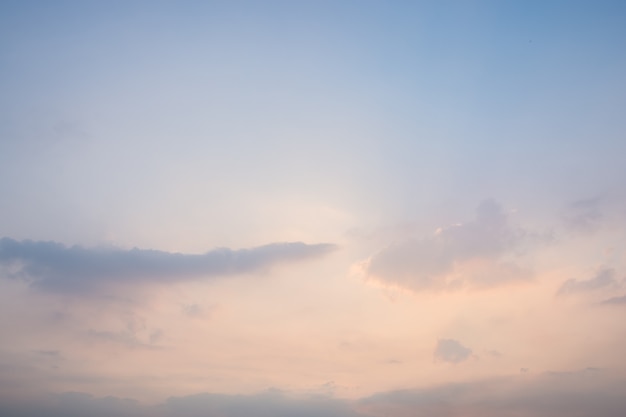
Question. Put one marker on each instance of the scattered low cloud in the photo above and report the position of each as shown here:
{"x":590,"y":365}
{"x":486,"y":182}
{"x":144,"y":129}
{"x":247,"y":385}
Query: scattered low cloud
{"x":451,"y":351}
{"x":54,"y":267}
{"x":470,"y":254}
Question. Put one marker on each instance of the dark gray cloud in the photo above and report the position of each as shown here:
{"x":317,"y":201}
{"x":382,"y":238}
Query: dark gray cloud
{"x":54,"y":267}
{"x":424,"y":263}
{"x":604,"y":279}
{"x":452,"y":351}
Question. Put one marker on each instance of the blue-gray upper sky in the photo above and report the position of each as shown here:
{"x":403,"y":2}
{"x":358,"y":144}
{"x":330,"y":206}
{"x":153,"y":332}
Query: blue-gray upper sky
{"x":333,"y":207}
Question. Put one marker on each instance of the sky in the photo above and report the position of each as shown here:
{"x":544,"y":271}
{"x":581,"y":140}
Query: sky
{"x":312,"y":208}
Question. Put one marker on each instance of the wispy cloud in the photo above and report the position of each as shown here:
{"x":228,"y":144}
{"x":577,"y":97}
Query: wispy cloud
{"x":54,"y":267}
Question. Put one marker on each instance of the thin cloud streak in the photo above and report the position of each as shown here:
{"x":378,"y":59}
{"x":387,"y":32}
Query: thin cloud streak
{"x":54,"y":267}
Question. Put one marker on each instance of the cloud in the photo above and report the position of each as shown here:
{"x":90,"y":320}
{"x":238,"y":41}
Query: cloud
{"x":589,"y":392}
{"x":75,"y":404}
{"x":583,"y":216}
{"x":575,"y":394}
{"x":494,"y":353}
{"x":126,"y":338}
{"x":452,"y":351}
{"x":615,"y":301}
{"x":271,"y":403}
{"x":49,"y":353}
{"x":604,"y":279}
{"x":469,"y":254}
{"x":54,"y":267}
{"x":198,"y":311}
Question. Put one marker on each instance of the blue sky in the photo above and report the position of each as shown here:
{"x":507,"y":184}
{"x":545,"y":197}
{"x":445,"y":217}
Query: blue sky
{"x":267,"y":202}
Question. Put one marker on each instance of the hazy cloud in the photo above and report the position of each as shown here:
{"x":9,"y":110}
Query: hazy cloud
{"x":590,"y":392}
{"x":477,"y":248}
{"x":615,"y":301}
{"x":272,"y":403}
{"x":583,"y":216}
{"x":55,"y":354}
{"x":452,"y":351}
{"x":54,"y":267}
{"x":75,"y":404}
{"x":604,"y":279}
{"x":125,"y":338}
{"x":197,"y":311}
{"x":494,"y":353}
{"x":577,"y":394}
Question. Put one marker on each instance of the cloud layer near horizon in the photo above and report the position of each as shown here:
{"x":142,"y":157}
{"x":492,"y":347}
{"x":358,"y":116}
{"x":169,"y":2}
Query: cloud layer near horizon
{"x":567,"y":394}
{"x":54,"y":267}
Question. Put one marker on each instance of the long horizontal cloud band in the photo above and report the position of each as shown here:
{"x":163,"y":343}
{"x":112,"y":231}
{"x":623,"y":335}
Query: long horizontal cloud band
{"x":589,"y":392}
{"x":54,"y":266}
